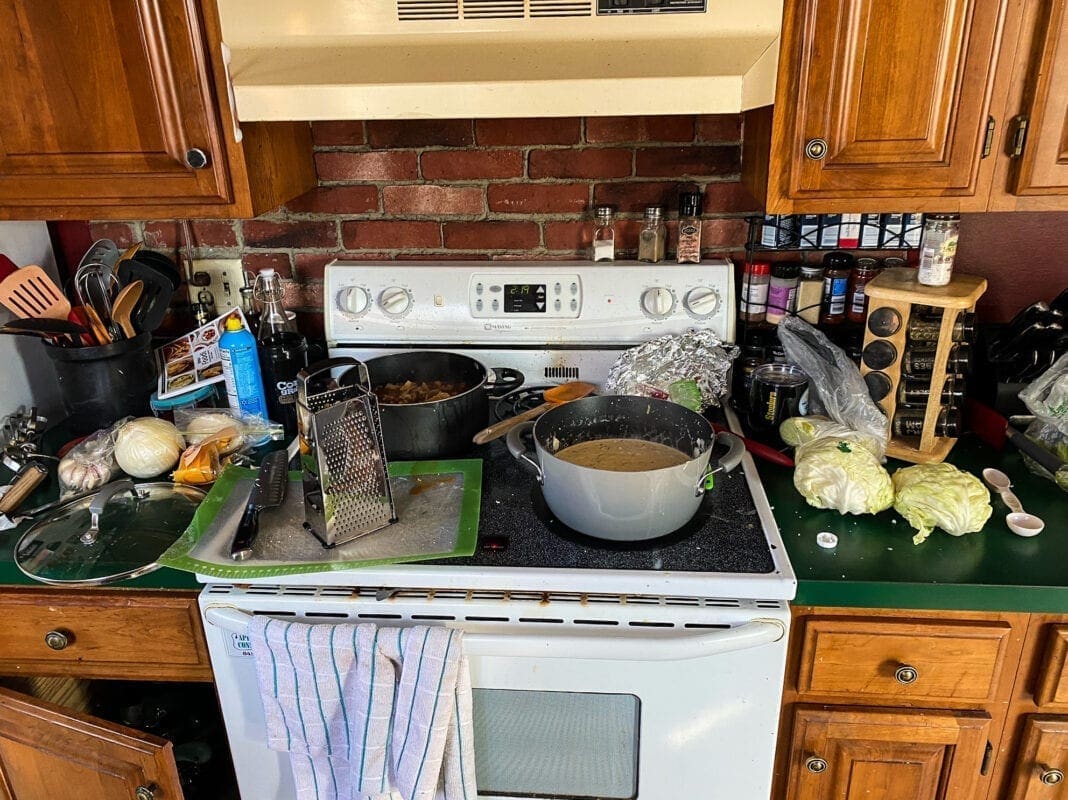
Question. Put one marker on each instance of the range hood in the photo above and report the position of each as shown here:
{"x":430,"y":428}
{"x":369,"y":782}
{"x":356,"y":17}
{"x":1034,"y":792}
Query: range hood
{"x":398,"y":59}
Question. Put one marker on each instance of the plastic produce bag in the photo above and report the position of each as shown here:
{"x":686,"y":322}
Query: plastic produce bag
{"x":197,"y":424}
{"x":836,"y":388}
{"x":1047,"y":398}
{"x":90,"y":463}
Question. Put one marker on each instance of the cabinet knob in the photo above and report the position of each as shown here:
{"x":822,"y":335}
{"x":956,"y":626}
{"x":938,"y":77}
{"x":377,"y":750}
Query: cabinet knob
{"x":815,"y":765}
{"x":1050,"y":776}
{"x":58,"y":640}
{"x":816,"y":149}
{"x":906,"y":675}
{"x":145,"y":792}
{"x":195,"y":158}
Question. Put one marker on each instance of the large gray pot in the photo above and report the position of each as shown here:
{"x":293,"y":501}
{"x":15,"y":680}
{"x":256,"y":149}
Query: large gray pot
{"x":624,"y":506}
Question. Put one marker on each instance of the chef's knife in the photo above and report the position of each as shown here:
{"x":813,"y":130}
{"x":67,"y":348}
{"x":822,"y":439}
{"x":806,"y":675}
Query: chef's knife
{"x":268,"y":491}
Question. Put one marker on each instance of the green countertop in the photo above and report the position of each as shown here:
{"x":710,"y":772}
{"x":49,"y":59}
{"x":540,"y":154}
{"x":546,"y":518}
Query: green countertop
{"x":875,"y":563}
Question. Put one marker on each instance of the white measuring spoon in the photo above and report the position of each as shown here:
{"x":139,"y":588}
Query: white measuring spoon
{"x":1019,"y":521}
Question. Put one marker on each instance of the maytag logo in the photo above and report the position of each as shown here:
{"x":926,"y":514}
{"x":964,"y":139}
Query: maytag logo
{"x":496,"y":326}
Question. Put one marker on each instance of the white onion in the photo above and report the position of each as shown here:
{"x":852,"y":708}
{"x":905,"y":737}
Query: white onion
{"x":147,"y":447}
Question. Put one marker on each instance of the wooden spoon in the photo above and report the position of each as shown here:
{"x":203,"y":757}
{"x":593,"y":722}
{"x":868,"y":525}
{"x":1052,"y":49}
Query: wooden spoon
{"x":96,"y":325}
{"x":123,"y":307}
{"x":553,"y":397}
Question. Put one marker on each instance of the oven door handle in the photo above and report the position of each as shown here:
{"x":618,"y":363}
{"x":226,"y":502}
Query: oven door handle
{"x":636,"y":647}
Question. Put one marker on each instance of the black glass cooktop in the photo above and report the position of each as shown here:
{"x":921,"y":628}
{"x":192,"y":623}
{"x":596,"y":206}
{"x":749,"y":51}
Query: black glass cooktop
{"x":517,"y":529}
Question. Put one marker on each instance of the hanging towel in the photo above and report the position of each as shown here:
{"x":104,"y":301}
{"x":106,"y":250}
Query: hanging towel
{"x":368,"y":713}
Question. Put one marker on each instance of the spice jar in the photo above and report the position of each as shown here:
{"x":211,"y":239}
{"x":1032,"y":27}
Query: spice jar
{"x":919,"y":361}
{"x":604,"y":234}
{"x":928,"y":328}
{"x":909,"y":422}
{"x":836,"y":269}
{"x":652,"y":240}
{"x":782,"y":292}
{"x":860,"y":276}
{"x":809,"y":294}
{"x":756,"y":276}
{"x":916,"y":393}
{"x":689,"y":250}
{"x":938,"y":248}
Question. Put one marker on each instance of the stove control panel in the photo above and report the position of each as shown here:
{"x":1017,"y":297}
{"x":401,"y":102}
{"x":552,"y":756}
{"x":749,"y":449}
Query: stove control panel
{"x":535,"y":302}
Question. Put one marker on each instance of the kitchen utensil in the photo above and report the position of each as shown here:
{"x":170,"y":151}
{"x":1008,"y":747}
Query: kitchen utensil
{"x":762,"y":451}
{"x":442,"y":427}
{"x":158,"y":290}
{"x":553,"y":397}
{"x":60,"y":332}
{"x":992,"y":428}
{"x":1024,"y":524}
{"x":29,"y":292}
{"x":102,"y":251}
{"x":96,"y":325}
{"x":124,"y":305}
{"x":113,"y":534}
{"x":268,"y":491}
{"x":1000,"y":483}
{"x":346,"y":486}
{"x":624,"y":506}
{"x":78,"y":316}
{"x":25,"y":481}
{"x":163,"y":265}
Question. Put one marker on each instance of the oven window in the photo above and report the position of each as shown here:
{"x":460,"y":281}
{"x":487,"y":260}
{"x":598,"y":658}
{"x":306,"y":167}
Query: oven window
{"x":556,"y":744}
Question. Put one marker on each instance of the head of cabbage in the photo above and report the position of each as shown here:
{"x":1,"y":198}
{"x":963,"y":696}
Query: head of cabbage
{"x":930,"y":495}
{"x":841,"y":473}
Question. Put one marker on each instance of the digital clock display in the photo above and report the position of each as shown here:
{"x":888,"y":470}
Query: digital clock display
{"x":524,"y":298}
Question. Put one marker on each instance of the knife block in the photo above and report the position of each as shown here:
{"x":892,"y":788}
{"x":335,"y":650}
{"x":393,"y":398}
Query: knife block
{"x":895,"y":298}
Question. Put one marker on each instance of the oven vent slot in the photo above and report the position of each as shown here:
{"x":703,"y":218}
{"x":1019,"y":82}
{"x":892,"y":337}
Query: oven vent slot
{"x":768,"y":604}
{"x":219,"y":588}
{"x":380,"y":616}
{"x":448,"y":594}
{"x":482,"y":595}
{"x":439,"y":617}
{"x":327,"y":591}
{"x":648,"y":624}
{"x":541,"y":619}
{"x":595,"y":622}
{"x":324,"y":615}
{"x":268,"y":591}
{"x":408,"y":10}
{"x":682,"y":601}
{"x":300,"y":591}
{"x":560,"y":8}
{"x":493,"y":9}
{"x":487,"y":619}
{"x":723,"y":603}
{"x":706,"y":626}
{"x":532,"y":596}
{"x":274,"y":613}
{"x":562,"y":373}
{"x":642,"y":600}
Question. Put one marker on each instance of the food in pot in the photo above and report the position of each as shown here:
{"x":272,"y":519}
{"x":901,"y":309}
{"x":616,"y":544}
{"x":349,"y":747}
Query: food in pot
{"x":400,"y":394}
{"x":622,"y":455}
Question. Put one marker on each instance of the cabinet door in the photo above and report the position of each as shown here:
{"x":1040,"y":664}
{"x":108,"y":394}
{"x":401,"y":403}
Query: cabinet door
{"x":847,"y":753}
{"x":1043,"y":166}
{"x":884,"y":99}
{"x":1042,"y":763}
{"x":49,"y":752}
{"x":102,"y":101}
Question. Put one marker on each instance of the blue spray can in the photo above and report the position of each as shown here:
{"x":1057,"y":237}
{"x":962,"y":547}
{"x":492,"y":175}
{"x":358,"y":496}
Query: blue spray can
{"x":241,"y":369}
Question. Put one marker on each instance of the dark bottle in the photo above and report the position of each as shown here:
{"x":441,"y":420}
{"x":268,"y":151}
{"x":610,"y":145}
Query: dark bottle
{"x":916,"y":393}
{"x":919,"y":361}
{"x":864,"y":271}
{"x":836,"y":269}
{"x":283,"y":353}
{"x":909,"y":422}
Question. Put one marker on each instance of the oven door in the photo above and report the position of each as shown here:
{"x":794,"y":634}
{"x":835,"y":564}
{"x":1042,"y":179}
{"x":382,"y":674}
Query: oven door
{"x":562,"y":711}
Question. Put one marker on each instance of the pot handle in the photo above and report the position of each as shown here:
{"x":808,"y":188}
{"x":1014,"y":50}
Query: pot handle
{"x":502,"y":380}
{"x":731,"y":459}
{"x":519,"y":451}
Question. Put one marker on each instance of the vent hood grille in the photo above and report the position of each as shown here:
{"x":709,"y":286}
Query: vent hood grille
{"x":422,"y":10}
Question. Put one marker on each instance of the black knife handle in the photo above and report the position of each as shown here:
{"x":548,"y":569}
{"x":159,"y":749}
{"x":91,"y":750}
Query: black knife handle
{"x":247,"y":530}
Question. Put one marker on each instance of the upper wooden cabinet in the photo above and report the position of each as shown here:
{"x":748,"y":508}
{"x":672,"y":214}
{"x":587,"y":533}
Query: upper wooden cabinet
{"x":120,"y":109}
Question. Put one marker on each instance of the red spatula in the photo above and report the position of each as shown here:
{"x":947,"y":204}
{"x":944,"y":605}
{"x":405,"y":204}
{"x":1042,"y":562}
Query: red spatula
{"x":30,"y":293}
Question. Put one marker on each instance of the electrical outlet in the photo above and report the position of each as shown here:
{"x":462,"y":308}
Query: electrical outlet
{"x":225,"y":277}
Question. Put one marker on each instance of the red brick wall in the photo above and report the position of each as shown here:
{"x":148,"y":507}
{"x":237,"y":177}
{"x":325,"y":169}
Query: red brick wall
{"x":478,"y":189}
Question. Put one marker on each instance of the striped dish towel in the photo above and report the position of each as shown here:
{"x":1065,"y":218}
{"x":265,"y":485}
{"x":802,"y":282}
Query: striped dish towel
{"x":367,"y":712}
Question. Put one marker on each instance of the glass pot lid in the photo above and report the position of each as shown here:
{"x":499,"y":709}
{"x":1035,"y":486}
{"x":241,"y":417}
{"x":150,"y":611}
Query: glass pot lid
{"x":115,"y":534}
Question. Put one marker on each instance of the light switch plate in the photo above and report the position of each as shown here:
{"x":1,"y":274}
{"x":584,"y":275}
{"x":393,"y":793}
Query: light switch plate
{"x":227,"y":277}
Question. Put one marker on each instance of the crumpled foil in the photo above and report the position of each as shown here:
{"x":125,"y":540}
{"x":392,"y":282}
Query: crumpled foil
{"x":699,"y":356}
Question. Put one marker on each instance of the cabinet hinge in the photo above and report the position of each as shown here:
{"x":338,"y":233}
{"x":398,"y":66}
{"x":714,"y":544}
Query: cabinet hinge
{"x":988,"y":140}
{"x":1018,"y":139}
{"x":987,"y":755}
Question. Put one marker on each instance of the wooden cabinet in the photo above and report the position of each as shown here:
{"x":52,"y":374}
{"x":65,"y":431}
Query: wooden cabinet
{"x":1040,"y":766}
{"x":50,"y":752}
{"x":888,"y":754}
{"x":120,"y":109}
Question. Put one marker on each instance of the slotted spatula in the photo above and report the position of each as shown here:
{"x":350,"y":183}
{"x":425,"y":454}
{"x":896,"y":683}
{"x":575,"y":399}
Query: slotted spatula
{"x":29,"y":293}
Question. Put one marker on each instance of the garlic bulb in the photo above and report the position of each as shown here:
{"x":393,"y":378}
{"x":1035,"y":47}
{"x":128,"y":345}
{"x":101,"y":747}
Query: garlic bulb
{"x":77,"y":475}
{"x":146,"y":447}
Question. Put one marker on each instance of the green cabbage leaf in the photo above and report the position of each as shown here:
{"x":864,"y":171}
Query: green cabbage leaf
{"x":940,"y":495}
{"x":841,"y":473}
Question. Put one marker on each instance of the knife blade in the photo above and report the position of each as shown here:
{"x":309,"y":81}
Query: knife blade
{"x":268,"y":491}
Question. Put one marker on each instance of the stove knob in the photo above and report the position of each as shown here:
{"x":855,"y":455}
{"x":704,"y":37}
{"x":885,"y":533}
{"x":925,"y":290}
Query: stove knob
{"x":395,"y":301}
{"x":354,"y":300}
{"x":702,"y":301}
{"x":658,"y":302}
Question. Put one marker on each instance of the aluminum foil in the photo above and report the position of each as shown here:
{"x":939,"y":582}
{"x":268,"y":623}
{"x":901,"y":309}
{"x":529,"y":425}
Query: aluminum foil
{"x":699,"y":356}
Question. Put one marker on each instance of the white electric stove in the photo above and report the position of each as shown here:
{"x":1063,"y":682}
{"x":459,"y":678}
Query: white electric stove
{"x":601,"y":670}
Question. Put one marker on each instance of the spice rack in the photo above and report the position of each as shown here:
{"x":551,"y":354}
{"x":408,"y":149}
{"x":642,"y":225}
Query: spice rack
{"x":895,"y":298}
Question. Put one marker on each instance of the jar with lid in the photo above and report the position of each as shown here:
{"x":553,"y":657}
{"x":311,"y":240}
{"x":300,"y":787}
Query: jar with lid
{"x":927,"y":328}
{"x":652,"y":240}
{"x":689,"y":250}
{"x":938,"y":248}
{"x":919,"y":360}
{"x":604,"y":234}
{"x":864,"y":270}
{"x":909,"y":422}
{"x":756,"y":277}
{"x":201,"y":397}
{"x":782,"y":292}
{"x":837,"y":267}
{"x":916,"y":393}
{"x":809,"y":294}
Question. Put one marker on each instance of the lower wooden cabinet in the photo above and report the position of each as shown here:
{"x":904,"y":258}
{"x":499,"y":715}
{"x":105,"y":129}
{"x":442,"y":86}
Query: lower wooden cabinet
{"x":47,"y":751}
{"x":1042,"y":761}
{"x":890,"y":754}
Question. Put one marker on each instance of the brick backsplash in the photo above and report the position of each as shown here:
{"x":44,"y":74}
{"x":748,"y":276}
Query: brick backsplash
{"x":500,"y":189}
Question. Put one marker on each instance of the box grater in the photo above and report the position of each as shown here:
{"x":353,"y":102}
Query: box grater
{"x":343,"y":458}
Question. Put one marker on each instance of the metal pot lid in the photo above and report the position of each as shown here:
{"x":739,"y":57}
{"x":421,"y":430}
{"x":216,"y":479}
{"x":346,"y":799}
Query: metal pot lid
{"x":114,"y":534}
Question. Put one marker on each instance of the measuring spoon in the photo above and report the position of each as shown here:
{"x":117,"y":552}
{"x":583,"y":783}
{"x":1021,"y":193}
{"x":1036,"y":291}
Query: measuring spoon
{"x":1019,"y":521}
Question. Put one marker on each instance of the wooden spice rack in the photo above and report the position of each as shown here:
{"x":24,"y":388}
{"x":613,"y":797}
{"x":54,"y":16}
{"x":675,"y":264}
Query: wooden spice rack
{"x":899,"y":290}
